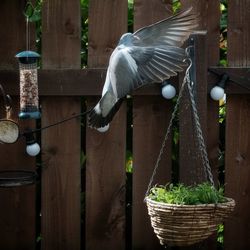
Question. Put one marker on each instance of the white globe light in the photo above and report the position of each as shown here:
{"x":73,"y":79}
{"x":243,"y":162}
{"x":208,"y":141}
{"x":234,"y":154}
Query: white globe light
{"x":168,"y":91}
{"x":217,"y":93}
{"x":33,"y":149}
{"x":103,"y":129}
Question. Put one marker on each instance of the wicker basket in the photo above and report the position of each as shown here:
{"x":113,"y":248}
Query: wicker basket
{"x":183,"y":225}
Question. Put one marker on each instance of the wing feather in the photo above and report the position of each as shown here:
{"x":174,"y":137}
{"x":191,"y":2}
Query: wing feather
{"x":170,"y":31}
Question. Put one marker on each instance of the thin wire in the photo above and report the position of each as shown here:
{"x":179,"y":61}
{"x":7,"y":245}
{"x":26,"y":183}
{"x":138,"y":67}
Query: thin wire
{"x":27,"y":33}
{"x":54,"y":124}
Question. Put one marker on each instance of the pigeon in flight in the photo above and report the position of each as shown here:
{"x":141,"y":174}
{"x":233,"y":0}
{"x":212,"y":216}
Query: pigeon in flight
{"x":150,"y":55}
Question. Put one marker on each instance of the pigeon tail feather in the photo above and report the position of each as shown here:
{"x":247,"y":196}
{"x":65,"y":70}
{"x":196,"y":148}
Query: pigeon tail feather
{"x":96,"y":118}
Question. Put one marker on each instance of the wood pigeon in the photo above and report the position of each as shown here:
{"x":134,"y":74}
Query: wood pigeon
{"x":152,"y":54}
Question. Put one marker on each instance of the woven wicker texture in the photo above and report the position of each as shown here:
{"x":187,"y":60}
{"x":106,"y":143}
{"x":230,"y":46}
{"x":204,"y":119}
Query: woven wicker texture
{"x":183,"y":225}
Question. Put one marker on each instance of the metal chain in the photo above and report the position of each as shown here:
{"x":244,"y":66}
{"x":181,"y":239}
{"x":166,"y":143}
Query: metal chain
{"x":202,"y":146}
{"x":168,"y":130}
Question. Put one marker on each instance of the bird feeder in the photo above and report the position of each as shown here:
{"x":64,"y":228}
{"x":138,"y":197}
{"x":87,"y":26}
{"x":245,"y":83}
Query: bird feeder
{"x":29,"y":101}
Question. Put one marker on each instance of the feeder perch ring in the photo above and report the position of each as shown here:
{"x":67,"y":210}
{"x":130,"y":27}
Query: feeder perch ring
{"x":16,"y":178}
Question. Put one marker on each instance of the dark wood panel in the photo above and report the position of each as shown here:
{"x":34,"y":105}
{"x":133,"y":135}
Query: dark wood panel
{"x":18,"y":208}
{"x":60,"y":144}
{"x":237,"y":130}
{"x":209,"y":21}
{"x":17,"y":220}
{"x":212,"y":25}
{"x":239,"y":79}
{"x":105,"y":166}
{"x":105,"y":185}
{"x":12,"y":32}
{"x":150,"y":120}
{"x":69,"y":82}
{"x":86,"y":82}
{"x":191,"y":169}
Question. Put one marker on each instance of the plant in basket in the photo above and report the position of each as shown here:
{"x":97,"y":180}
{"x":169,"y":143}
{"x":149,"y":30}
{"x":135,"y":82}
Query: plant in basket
{"x":180,"y":194}
{"x":185,"y":215}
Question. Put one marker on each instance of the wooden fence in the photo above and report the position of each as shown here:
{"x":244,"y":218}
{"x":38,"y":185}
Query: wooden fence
{"x":62,"y":82}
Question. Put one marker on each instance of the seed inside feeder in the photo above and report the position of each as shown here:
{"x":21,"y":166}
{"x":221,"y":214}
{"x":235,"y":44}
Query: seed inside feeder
{"x":29,"y":101}
{"x":28,"y":90}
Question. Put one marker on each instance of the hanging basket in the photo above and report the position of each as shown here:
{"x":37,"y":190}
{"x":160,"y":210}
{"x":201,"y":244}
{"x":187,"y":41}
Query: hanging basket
{"x":184,"y":225}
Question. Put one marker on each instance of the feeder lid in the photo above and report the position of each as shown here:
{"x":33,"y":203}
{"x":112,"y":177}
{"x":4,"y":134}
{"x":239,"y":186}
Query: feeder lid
{"x":14,"y":178}
{"x":27,"y":57}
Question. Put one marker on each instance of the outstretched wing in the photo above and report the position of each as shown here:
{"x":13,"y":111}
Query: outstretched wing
{"x":156,"y":64}
{"x":137,"y":66}
{"x":172,"y":31}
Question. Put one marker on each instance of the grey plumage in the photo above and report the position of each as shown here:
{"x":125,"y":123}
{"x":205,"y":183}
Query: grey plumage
{"x":150,"y":55}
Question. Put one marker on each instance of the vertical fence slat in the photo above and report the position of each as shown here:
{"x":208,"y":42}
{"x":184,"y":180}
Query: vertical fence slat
{"x":210,"y":21}
{"x":191,"y":169}
{"x":105,"y":167}
{"x":150,"y":120}
{"x":61,"y":144}
{"x":237,"y":130}
{"x":17,"y":220}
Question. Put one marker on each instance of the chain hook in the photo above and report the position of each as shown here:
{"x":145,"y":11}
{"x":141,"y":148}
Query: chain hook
{"x":188,"y":59}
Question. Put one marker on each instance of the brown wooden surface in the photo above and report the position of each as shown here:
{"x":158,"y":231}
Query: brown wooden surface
{"x":212,"y":26}
{"x":209,"y":21}
{"x":60,"y":144}
{"x":150,"y":121}
{"x":86,"y":82}
{"x":105,"y":166}
{"x":70,"y":82}
{"x":239,"y":79}
{"x":61,"y":76}
{"x":237,"y":131}
{"x":191,"y":169}
{"x":17,"y":219}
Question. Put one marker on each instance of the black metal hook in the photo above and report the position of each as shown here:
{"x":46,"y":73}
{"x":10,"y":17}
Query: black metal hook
{"x":223,"y":81}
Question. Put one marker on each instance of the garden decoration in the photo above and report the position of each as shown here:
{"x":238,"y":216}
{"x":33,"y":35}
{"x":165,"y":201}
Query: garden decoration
{"x":168,"y":91}
{"x":150,"y":55}
{"x":179,"y":220}
{"x":218,"y":91}
{"x":225,"y":79}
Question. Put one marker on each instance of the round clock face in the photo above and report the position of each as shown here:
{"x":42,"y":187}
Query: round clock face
{"x":9,"y":131}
